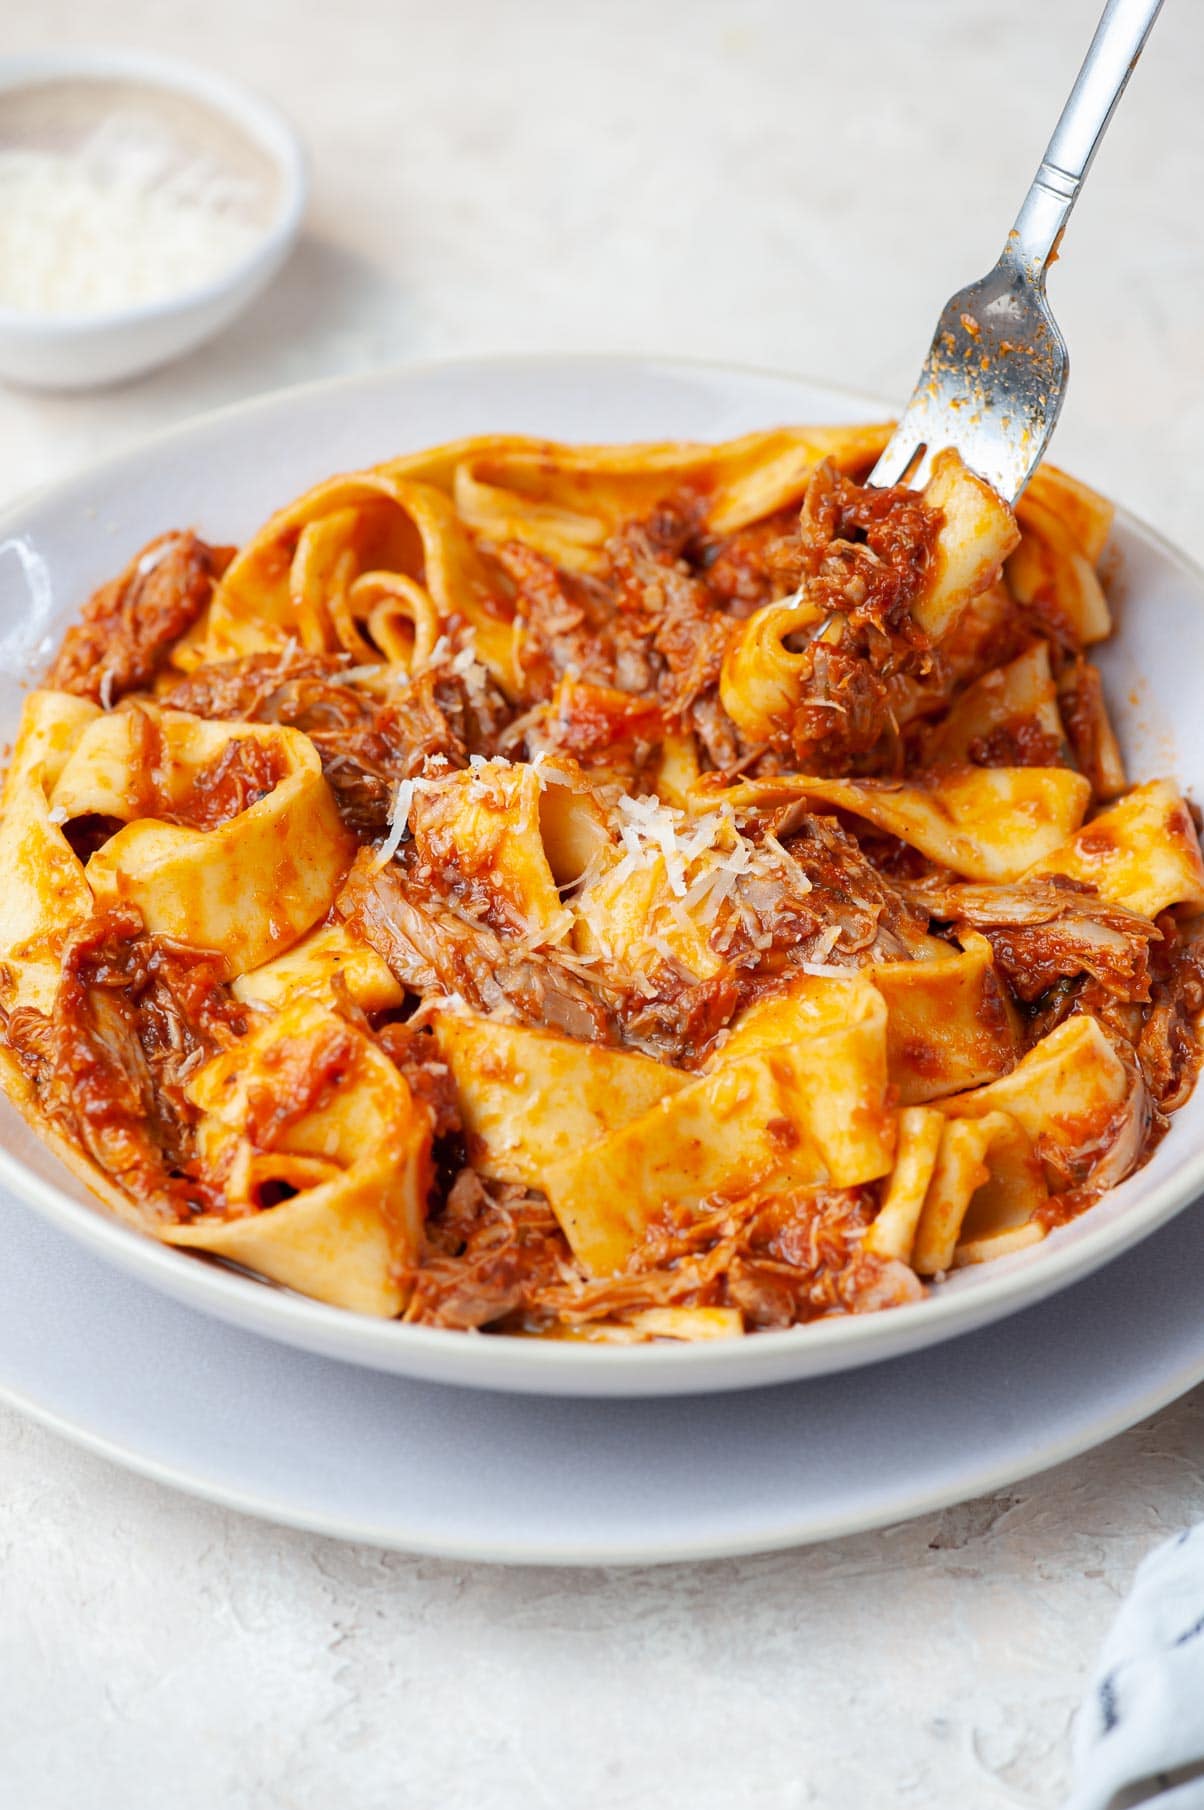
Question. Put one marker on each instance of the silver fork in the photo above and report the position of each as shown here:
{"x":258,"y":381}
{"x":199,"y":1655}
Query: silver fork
{"x":995,"y":376}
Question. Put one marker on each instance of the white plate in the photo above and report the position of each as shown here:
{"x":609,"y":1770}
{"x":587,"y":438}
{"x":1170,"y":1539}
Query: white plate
{"x":191,"y":1402}
{"x":223,"y":475}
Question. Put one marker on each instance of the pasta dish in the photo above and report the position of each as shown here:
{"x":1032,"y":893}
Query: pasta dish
{"x":609,"y":893}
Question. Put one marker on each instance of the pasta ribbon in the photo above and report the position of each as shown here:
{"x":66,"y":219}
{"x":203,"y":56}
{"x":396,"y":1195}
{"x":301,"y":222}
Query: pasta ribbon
{"x":350,"y":1169}
{"x":247,"y":888}
{"x":1142,"y":852}
{"x":977,"y":533}
{"x":986,"y":1184}
{"x":961,"y":1191}
{"x":677,"y":770}
{"x":1084,"y":513}
{"x":566,"y":500}
{"x":1066,"y":1094}
{"x":987,"y":823}
{"x":678,"y":1323}
{"x":529,"y":1098}
{"x":402,"y":621}
{"x":1052,"y":571}
{"x":632,"y":916}
{"x":949,"y":1023}
{"x":893,"y":1232}
{"x":485,"y":826}
{"x":798,"y":1092}
{"x":320,"y":569}
{"x":326,"y":960}
{"x":762,"y":678}
{"x":1019,"y":700}
{"x":45,"y":893}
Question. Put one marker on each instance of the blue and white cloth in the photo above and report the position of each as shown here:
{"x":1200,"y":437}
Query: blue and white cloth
{"x":1139,"y":1737}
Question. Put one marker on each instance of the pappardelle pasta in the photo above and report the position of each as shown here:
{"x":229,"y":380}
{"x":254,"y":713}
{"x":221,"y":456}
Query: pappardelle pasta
{"x":611,"y":893}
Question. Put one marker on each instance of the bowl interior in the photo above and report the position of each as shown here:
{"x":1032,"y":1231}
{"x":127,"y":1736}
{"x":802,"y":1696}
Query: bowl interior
{"x":224,"y":474}
{"x":167,"y":128}
{"x":65,"y":114}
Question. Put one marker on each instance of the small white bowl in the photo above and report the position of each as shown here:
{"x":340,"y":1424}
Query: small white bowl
{"x":75,"y":351}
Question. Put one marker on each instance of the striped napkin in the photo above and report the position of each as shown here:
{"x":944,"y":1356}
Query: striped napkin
{"x":1139,"y":1737}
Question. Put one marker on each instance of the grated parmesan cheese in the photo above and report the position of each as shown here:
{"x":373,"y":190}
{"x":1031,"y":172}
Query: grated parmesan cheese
{"x":120,"y":221}
{"x":154,"y":556}
{"x":399,"y":817}
{"x":826,"y":943}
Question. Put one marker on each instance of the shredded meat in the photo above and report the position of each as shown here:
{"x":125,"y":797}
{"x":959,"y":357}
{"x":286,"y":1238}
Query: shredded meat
{"x":432,"y":950}
{"x":792,"y":1258}
{"x":744,"y":570}
{"x":641,"y":640}
{"x":656,"y":590}
{"x":1085,"y":718}
{"x":415,"y":1053}
{"x":596,"y":721}
{"x":492,"y":1249}
{"x":367,"y":743}
{"x":569,"y":626}
{"x":655,"y":618}
{"x":241,"y":773}
{"x":1168,"y":1047}
{"x":862,"y":556}
{"x":496,"y":1254}
{"x":873,"y":915}
{"x":1050,"y":929}
{"x":134,"y":1017}
{"x":246,"y":690}
{"x":823,"y":901}
{"x":129,"y":626}
{"x":678,"y":1019}
{"x":1019,"y":743}
{"x":863,"y":552}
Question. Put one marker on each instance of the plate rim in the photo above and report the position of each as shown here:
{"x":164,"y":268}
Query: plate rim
{"x":451,"y":1356}
{"x":1088,"y":1432}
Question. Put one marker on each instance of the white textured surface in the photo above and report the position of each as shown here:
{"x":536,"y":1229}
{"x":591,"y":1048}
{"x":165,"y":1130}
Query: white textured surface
{"x":793,"y":184}
{"x":157,"y":1652}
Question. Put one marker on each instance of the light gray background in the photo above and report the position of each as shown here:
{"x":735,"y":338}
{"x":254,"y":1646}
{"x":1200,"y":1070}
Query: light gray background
{"x":796,"y":184}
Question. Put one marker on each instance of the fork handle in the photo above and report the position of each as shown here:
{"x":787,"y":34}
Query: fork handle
{"x":1118,"y":42}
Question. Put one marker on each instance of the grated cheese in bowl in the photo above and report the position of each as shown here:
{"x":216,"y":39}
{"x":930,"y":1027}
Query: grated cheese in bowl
{"x":122,"y":219}
{"x":144,"y":203}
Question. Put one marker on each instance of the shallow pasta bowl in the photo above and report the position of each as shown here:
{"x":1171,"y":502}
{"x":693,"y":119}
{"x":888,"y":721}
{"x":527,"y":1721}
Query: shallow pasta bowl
{"x":224,"y":475}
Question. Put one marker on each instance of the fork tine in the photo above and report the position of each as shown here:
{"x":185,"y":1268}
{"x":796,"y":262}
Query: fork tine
{"x":900,"y":450}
